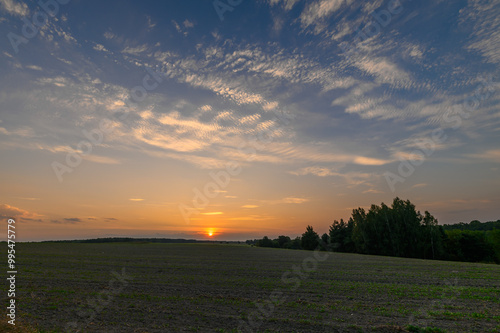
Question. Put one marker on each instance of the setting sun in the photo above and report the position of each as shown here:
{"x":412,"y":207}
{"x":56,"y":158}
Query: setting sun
{"x":210,"y":232}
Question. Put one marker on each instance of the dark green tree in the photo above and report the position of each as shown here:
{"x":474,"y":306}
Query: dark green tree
{"x":399,"y":230}
{"x":341,"y":236}
{"x":265,"y":242}
{"x":284,"y":241}
{"x":296,"y":243}
{"x":310,"y":239}
{"x":325,"y":239}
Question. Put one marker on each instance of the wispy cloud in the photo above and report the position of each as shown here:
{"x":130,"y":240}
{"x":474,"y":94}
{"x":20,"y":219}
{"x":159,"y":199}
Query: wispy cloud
{"x":287,"y":200}
{"x":101,"y":159}
{"x":287,"y":4}
{"x":14,"y":7}
{"x":485,"y":37}
{"x":68,"y":220}
{"x":492,"y":155}
{"x":72,"y":220}
{"x":294,"y":200}
{"x":352,"y":178}
{"x":319,"y":10}
{"x":7,"y":211}
{"x":135,"y":50}
{"x":315,"y":170}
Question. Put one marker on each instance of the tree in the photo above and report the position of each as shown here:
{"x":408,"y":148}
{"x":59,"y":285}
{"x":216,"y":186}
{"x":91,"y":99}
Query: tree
{"x":361,"y":233}
{"x":284,"y":241}
{"x":399,"y":230}
{"x":325,"y":239}
{"x":433,"y":237}
{"x":296,"y":244}
{"x":310,"y":239}
{"x":265,"y":242}
{"x":493,"y":238}
{"x":341,"y":236}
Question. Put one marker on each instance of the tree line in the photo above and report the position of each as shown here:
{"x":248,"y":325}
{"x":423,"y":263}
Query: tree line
{"x":401,"y":231}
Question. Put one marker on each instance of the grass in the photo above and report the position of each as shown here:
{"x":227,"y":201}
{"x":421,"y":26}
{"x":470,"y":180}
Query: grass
{"x":216,"y":288}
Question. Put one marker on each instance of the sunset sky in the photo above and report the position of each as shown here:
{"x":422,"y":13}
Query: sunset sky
{"x":244,"y":118}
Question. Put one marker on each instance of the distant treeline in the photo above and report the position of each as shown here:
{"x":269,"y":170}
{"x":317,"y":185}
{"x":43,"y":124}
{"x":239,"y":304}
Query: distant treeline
{"x":135,"y":240}
{"x":401,"y":231}
{"x":474,"y":226}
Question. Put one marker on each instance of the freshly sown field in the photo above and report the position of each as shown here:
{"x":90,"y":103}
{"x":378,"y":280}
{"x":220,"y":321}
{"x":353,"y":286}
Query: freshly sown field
{"x":153,"y":287}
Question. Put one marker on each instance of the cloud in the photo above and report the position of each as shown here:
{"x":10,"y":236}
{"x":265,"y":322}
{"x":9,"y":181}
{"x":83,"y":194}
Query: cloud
{"x":136,"y":199}
{"x":199,"y":161}
{"x":24,"y":132}
{"x":314,"y":152}
{"x":212,"y":213}
{"x":72,"y":220}
{"x":293,"y":200}
{"x":420,"y":145}
{"x":315,"y":170}
{"x":34,"y":67}
{"x":69,"y":220}
{"x":7,"y":211}
{"x":14,"y":8}
{"x":252,"y":218}
{"x":492,"y":155}
{"x":224,"y":88}
{"x":373,"y":191}
{"x":485,"y":37}
{"x":110,"y":219}
{"x":351,"y":178}
{"x":27,"y":219}
{"x":318,"y":10}
{"x":249,"y":206}
{"x":59,"y":81}
{"x":150,"y":23}
{"x":99,"y":47}
{"x":361,"y":160}
{"x":109,"y":35}
{"x":135,"y":50}
{"x":287,"y":4}
{"x":101,"y":159}
{"x":384,"y":70}
{"x":177,"y":26}
{"x":188,"y":24}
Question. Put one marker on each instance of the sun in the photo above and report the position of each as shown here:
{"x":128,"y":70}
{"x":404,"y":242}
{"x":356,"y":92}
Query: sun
{"x":210,"y":232}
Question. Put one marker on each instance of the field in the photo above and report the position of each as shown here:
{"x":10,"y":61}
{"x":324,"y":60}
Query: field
{"x":146,"y":287}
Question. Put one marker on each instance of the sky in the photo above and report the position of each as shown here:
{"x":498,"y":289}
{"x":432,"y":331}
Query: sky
{"x":235,"y":119}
